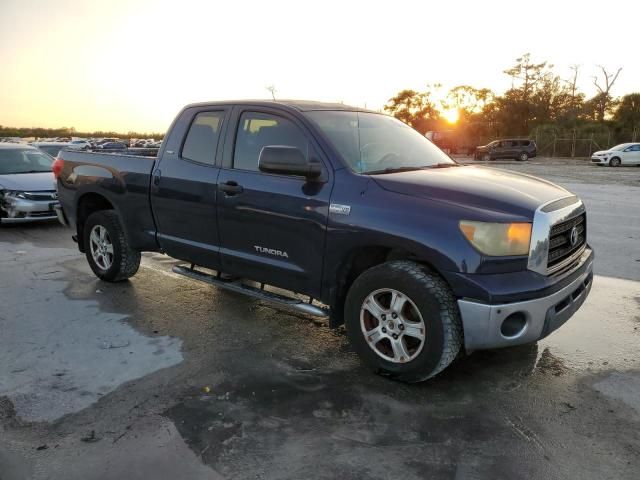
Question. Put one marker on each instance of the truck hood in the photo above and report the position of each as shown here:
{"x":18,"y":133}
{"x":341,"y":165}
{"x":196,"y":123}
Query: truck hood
{"x":28,"y":182}
{"x":479,"y":188}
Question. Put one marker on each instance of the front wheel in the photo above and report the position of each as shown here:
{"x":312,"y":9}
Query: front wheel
{"x":486,"y":157}
{"x":403,"y":321}
{"x":106,"y":248}
{"x":614,"y":162}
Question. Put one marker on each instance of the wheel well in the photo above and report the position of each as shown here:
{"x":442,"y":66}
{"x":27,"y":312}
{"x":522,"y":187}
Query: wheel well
{"x":355,"y":263}
{"x":88,"y":204}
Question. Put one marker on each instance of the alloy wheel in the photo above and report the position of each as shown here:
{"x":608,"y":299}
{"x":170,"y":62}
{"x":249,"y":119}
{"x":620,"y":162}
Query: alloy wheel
{"x":101,"y":247}
{"x":392,"y":325}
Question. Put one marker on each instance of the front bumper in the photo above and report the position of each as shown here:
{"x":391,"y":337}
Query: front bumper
{"x":18,"y":210}
{"x":503,"y":325}
{"x":60,"y":215}
{"x":600,"y":160}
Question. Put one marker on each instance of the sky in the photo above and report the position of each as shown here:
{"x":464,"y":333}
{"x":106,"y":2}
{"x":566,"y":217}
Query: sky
{"x":128,"y":65}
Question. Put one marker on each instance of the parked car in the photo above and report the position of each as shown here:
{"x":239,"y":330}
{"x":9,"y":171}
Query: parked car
{"x":80,"y":145}
{"x":517,"y":148}
{"x":452,"y":141}
{"x":51,"y":148}
{"x":112,"y":146}
{"x":623,"y":154}
{"x":106,"y":140}
{"x":27,"y":189}
{"x":419,"y":256}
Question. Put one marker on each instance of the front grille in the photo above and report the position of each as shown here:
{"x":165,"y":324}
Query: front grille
{"x":560,"y":246}
{"x":48,"y":213}
{"x":41,"y":196}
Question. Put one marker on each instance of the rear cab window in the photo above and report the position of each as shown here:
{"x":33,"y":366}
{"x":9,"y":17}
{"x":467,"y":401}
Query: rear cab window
{"x":201,"y":142}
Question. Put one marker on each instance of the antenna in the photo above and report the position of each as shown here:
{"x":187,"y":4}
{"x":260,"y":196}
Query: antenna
{"x":272,"y":90}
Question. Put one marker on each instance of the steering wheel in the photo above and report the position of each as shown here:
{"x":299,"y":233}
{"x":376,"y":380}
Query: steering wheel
{"x":387,"y":157}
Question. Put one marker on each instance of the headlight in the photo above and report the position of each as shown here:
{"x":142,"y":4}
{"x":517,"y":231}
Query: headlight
{"x":15,"y":194}
{"x":498,"y":239}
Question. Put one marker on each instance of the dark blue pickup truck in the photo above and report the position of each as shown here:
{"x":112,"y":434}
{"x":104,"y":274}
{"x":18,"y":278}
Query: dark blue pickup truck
{"x":352,"y":213}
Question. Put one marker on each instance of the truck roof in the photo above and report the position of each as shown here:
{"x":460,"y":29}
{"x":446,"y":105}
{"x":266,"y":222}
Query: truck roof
{"x":13,"y":146}
{"x":301,"y":105}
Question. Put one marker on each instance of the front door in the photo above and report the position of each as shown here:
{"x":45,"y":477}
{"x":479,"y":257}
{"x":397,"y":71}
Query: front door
{"x":272,"y":227}
{"x":184,"y":191}
{"x":632,"y":155}
{"x":498,"y":150}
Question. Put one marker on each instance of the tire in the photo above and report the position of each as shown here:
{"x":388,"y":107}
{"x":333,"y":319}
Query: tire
{"x":122,"y":262}
{"x":486,"y":157}
{"x":615,"y":162}
{"x":437,"y":314}
{"x":523,"y":157}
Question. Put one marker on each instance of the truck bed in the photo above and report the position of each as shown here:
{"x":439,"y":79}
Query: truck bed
{"x":122,"y":178}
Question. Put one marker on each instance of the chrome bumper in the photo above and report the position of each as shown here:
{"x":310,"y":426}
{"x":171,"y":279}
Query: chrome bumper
{"x":19,"y":210}
{"x":485,"y":327}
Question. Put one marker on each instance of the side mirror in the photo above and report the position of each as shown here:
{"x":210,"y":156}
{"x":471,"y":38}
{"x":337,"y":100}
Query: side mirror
{"x":283,"y":160}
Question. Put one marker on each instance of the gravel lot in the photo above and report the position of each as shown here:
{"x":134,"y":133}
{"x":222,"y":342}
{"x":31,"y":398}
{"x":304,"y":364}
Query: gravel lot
{"x":162,"y":377}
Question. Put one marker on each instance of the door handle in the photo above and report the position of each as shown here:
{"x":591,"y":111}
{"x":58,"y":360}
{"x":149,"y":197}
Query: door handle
{"x":156,"y":177}
{"x":231,"y":188}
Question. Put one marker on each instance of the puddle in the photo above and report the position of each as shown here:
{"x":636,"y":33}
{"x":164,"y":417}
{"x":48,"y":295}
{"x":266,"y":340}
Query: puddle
{"x":58,"y":356}
{"x":624,"y":387}
{"x":605,"y":333}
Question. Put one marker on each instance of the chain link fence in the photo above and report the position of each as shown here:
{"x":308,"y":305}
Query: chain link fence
{"x":580,"y":143}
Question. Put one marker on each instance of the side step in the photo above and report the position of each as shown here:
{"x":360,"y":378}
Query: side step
{"x":259,"y":293}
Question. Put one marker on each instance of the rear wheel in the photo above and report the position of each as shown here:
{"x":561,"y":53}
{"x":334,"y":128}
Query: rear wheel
{"x":523,"y":157}
{"x":614,"y":162}
{"x":403,"y":321}
{"x":106,"y":248}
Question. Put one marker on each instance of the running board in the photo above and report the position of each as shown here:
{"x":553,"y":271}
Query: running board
{"x":261,"y":294}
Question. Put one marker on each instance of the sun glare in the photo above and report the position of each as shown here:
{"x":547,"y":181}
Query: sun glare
{"x":451,"y":115}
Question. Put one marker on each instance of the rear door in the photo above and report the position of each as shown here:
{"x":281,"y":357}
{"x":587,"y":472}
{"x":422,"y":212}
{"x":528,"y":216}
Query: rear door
{"x":272,"y":227}
{"x":184,"y":187}
{"x":511,"y":148}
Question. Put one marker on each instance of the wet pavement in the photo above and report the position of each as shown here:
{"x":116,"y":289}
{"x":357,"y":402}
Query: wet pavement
{"x":163,"y":377}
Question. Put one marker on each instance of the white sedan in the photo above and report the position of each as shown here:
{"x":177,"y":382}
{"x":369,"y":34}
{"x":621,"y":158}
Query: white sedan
{"x":623,"y":154}
{"x":79,"y":145}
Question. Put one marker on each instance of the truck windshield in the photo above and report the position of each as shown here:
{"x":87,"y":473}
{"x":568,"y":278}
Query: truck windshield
{"x":372,"y":143}
{"x":14,"y":161}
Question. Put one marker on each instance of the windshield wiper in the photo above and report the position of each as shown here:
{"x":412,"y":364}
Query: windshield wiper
{"x":409,"y":169}
{"x":443,"y":165}
{"x":393,"y":170}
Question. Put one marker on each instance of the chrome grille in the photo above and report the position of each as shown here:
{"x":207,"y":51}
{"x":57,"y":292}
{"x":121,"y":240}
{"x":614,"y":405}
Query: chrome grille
{"x":41,"y":196}
{"x":566,"y":240}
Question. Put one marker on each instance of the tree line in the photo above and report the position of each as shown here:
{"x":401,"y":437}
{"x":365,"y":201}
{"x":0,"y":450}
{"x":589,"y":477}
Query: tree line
{"x":538,"y":98}
{"x":65,"y":132}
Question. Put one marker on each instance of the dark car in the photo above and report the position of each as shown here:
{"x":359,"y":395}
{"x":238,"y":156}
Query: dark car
{"x":417,"y":255}
{"x":518,"y":148}
{"x":113,"y":146}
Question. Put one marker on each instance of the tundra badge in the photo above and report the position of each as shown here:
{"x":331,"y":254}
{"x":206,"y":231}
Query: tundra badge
{"x":271,"y":251}
{"x":339,"y":209}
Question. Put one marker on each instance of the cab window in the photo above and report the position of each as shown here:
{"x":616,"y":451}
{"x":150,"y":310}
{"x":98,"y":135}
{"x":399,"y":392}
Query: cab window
{"x":257,"y":130}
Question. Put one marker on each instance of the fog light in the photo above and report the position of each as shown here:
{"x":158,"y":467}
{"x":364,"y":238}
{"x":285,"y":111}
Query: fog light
{"x":513,"y":325}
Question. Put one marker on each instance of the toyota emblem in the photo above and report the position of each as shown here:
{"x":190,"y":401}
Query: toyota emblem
{"x":574,"y":236}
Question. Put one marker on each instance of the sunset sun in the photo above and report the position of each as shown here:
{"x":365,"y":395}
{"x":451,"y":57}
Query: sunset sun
{"x":451,"y":115}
